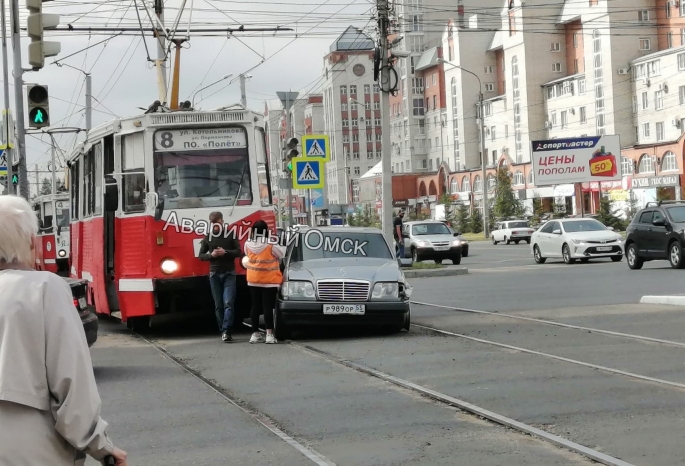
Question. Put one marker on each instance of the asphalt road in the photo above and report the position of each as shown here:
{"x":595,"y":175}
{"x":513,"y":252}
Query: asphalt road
{"x":619,"y":395}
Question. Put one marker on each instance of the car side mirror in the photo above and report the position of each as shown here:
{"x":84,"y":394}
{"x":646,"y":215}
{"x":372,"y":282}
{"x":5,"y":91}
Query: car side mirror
{"x":658,"y":223}
{"x":610,"y":228}
{"x":556,"y":232}
{"x":455,"y":234}
{"x":111,"y":194}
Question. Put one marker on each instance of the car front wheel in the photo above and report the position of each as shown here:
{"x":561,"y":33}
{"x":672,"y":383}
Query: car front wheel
{"x":566,"y":252}
{"x":538,"y":256}
{"x":414,"y":256}
{"x":493,"y":240}
{"x":616,"y":258}
{"x":634,"y":261}
{"x":675,"y":256}
{"x":456,"y":260}
{"x":281,"y":331}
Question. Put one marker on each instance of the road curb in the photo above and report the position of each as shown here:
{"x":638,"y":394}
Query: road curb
{"x":670,"y":300}
{"x":447,"y":272}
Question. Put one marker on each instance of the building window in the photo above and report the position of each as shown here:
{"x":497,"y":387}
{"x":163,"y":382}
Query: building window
{"x":355,"y":155}
{"x":682,"y":36}
{"x":376,"y":105}
{"x":518,"y":178}
{"x":575,"y":40}
{"x":356,"y":170}
{"x":583,"y":115}
{"x":355,"y":138}
{"x":367,"y":89}
{"x":488,"y":70}
{"x":379,"y":137}
{"x":506,"y":131}
{"x":343,"y":107}
{"x":417,"y":85}
{"x":660,"y":131}
{"x":564,"y":119}
{"x":575,"y":66}
{"x":343,"y":90}
{"x":466,"y":185}
{"x":556,"y":67}
{"x":555,"y":47}
{"x":645,"y":130}
{"x":418,"y":107}
{"x":669,"y":37}
{"x":346,"y":138}
{"x":682,"y":9}
{"x":367,"y":106}
{"x":667,"y":6}
{"x":669,"y":162}
{"x":626,"y":166}
{"x":345,"y":123}
{"x":489,"y":87}
{"x":416,"y":45}
{"x":353,"y":90}
{"x":659,"y":100}
{"x":417,"y":21}
{"x":681,"y":93}
{"x":492,"y":133}
{"x":377,"y":121}
{"x":581,"y":86}
{"x":517,"y":109}
{"x":681,"y":61}
{"x":646,"y":165}
{"x":454,"y":186}
{"x":377,"y":88}
{"x":645,"y":43}
{"x":643,"y":15}
{"x":477,"y":184}
{"x":645,"y":101}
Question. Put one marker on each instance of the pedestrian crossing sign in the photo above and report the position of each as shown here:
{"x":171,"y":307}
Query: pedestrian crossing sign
{"x":317,"y":145}
{"x":307,"y":173}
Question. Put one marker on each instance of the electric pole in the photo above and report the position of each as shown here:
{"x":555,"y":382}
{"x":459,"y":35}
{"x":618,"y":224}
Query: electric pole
{"x":386,"y":74}
{"x":486,"y":213}
{"x":89,"y":103}
{"x":9,"y":156}
{"x":19,"y":99}
{"x":161,"y":51}
{"x":243,"y":95}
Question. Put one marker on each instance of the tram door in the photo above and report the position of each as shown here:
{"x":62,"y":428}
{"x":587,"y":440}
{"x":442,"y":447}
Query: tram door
{"x":108,"y":228}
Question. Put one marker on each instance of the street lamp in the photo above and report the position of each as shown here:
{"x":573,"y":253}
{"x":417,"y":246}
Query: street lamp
{"x":210,"y":85}
{"x":482,"y":143}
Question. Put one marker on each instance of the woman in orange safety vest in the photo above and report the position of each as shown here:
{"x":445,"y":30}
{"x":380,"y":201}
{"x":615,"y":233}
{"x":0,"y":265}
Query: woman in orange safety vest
{"x":264,"y":277}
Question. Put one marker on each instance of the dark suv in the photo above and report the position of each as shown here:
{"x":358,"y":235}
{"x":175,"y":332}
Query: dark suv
{"x":657,"y":232}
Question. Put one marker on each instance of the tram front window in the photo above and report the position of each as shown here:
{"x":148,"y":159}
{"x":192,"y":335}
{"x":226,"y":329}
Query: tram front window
{"x":211,"y":178}
{"x":63,"y":218}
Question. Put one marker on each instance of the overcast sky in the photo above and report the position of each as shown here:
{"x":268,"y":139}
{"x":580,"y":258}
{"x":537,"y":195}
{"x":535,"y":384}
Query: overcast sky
{"x":123,"y":78}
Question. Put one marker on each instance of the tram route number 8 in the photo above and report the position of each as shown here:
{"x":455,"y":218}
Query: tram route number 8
{"x":167,"y":140}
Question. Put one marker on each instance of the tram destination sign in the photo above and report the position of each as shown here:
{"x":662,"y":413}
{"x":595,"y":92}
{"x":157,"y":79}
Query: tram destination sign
{"x":199,"y":139}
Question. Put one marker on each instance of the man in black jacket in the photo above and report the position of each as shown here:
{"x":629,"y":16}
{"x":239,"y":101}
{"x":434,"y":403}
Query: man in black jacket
{"x":221,"y":250}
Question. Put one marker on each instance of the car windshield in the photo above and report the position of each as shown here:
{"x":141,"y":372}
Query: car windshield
{"x":583,"y":225}
{"x":677,"y":214}
{"x":430,"y":229}
{"x":204,"y":170}
{"x":320,"y":244}
{"x":518,"y":224}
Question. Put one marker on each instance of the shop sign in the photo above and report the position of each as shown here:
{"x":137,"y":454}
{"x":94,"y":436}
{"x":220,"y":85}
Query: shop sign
{"x":656,"y":182}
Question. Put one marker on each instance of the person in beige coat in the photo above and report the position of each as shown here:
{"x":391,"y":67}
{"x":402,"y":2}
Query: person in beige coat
{"x":49,"y":402}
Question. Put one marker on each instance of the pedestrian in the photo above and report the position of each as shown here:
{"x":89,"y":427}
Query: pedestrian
{"x":397,"y":233}
{"x":49,"y":401}
{"x":221,"y":250}
{"x":264,"y":278}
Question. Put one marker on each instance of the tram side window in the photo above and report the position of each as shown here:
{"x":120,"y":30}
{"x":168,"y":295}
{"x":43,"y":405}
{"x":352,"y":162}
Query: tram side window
{"x":47,"y":217}
{"x":75,"y":184}
{"x":263,"y":169}
{"x":88,"y":179}
{"x":133,"y":164}
{"x":97,"y":179}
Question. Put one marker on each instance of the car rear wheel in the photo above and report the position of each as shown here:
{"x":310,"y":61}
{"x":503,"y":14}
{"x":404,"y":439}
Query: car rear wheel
{"x":138,"y":324}
{"x":528,"y":241}
{"x":517,"y":241}
{"x":506,"y":241}
{"x":407,"y":321}
{"x":634,"y":261}
{"x":566,"y":252}
{"x":465,"y":253}
{"x":538,"y":256}
{"x":675,"y":256}
{"x":438,"y":261}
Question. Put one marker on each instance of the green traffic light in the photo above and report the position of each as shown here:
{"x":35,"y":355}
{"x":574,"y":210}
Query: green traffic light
{"x":38,"y":117}
{"x":290,"y":166}
{"x":15,"y":179}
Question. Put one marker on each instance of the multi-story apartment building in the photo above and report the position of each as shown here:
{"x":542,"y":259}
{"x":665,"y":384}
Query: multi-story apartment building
{"x":351,"y":113}
{"x":412,"y":148}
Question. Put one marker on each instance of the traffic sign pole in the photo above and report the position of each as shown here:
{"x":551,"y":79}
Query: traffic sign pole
{"x":19,"y":100}
{"x":5,"y":114}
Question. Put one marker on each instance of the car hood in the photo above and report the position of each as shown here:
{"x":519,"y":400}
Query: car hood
{"x":435,"y":238}
{"x":594,"y":235}
{"x":373,"y":270}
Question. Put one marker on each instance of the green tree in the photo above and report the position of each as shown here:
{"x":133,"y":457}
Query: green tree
{"x":506,"y":205}
{"x":476,"y":221}
{"x":538,"y":210}
{"x":607,"y":213}
{"x":462,"y":218}
{"x":45,"y":187}
{"x":631,"y":208}
{"x":560,"y":209}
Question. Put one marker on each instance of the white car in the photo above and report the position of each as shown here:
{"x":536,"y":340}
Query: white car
{"x":576,"y":238}
{"x":512,"y":230}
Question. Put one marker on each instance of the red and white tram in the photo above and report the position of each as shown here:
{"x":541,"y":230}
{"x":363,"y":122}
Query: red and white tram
{"x":135,"y":182}
{"x":52,"y":242}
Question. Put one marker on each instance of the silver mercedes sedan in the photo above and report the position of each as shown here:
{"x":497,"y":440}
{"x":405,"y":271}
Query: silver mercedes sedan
{"x":341,"y":276}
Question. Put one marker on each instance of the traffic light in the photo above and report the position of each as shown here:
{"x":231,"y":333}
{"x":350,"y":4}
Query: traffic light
{"x":38,"y":106}
{"x":15,"y":179}
{"x":290,"y":152}
{"x":36,"y":23}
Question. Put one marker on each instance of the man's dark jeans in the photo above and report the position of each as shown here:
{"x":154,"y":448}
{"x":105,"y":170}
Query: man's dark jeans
{"x":223,"y":290}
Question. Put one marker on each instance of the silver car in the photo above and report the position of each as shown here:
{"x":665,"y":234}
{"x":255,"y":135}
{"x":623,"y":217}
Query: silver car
{"x":341,"y":276}
{"x":431,"y":239}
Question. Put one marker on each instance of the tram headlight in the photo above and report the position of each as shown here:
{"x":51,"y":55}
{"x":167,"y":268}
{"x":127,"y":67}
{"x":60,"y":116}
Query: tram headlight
{"x":169,"y":266}
{"x":62,"y":253}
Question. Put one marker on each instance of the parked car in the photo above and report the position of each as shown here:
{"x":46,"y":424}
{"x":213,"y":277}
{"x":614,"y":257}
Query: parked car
{"x":431,"y":239}
{"x":656,"y":233}
{"x":576,"y":238}
{"x":343,"y":285}
{"x":512,"y":231}
{"x":87,"y":313}
{"x":462,"y":241}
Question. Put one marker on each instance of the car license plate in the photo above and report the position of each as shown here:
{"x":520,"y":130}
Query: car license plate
{"x":441,"y":248}
{"x":82,"y":302}
{"x":344,"y":308}
{"x":603,"y":249}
